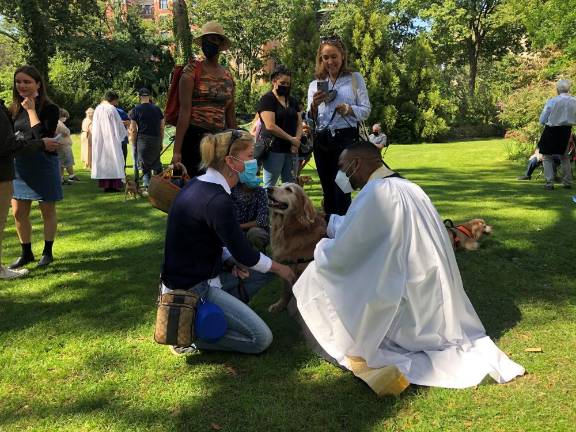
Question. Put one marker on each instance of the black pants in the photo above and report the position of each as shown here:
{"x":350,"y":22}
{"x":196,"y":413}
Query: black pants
{"x":327,"y":149}
{"x":191,"y":150}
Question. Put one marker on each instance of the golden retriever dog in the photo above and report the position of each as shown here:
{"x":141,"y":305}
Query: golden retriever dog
{"x":295,"y":228}
{"x":466,"y":235}
{"x":131,"y":189}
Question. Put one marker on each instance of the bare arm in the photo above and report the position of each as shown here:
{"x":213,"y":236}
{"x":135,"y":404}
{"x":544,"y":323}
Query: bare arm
{"x":269,"y":119}
{"x":185,"y":89}
{"x":162,"y":124}
{"x":133,"y":131}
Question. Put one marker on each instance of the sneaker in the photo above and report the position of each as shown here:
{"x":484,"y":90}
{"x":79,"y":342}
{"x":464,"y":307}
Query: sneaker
{"x":524,"y":178}
{"x":549,"y":187}
{"x":180,"y":351}
{"x":144,"y":192}
{"x":66,"y":182}
{"x":8,"y":274}
{"x":73,"y":177}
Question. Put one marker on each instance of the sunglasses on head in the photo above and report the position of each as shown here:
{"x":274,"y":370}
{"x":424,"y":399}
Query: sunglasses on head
{"x":332,"y":38}
{"x":236,"y":134}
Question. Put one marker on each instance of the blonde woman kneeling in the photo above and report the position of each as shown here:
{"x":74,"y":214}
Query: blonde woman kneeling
{"x":203,"y":235}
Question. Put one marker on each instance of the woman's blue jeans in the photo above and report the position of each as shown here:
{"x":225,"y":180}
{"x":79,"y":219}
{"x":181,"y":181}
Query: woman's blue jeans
{"x":279,"y":164}
{"x":247,"y":332}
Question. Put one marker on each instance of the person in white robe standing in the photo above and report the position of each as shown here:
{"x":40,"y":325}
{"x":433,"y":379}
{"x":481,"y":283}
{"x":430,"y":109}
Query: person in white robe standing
{"x":384,"y":296}
{"x":108,"y":132}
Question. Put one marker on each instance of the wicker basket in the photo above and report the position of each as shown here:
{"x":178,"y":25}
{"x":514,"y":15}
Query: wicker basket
{"x":162,"y":191}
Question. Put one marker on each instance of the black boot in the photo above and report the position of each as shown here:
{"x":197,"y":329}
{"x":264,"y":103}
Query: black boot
{"x":45,"y":260}
{"x":25,"y":257}
{"x":47,"y":257}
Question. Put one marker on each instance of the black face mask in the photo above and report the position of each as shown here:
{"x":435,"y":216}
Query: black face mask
{"x":210,"y":49}
{"x":283,"y":90}
{"x":376,"y":133}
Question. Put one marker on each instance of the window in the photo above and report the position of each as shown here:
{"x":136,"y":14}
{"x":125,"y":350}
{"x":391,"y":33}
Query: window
{"x":147,"y":10}
{"x":163,"y":4}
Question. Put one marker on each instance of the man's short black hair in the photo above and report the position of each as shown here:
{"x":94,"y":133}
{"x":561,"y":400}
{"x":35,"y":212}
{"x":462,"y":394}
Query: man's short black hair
{"x":111,"y":96}
{"x":364,"y":149}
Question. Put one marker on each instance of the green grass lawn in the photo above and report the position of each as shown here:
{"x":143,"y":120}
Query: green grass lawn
{"x":77,"y":352}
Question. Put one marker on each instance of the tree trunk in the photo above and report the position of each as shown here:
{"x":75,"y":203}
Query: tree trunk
{"x":182,"y":33}
{"x":473,"y":64}
{"x":34,"y":27}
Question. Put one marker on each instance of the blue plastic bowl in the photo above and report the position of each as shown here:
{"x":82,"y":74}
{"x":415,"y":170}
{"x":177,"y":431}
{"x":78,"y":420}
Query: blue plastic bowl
{"x":210,"y":322}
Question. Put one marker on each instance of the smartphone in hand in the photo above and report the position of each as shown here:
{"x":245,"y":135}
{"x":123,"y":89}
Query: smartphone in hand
{"x":322,"y":86}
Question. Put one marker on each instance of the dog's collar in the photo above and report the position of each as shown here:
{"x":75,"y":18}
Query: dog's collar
{"x":298,"y":261}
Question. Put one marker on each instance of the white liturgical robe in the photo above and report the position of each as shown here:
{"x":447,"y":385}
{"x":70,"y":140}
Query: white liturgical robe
{"x":386,"y":289}
{"x":108,"y":132}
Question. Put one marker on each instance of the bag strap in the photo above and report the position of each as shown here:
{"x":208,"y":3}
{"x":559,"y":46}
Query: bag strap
{"x":361,"y":125}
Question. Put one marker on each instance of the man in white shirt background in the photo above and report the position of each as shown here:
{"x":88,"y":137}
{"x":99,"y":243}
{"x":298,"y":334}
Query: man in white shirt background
{"x":558,"y":117}
{"x":377,"y":137}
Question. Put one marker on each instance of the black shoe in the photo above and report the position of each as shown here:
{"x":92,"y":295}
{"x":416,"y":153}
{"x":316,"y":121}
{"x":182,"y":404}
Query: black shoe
{"x":567,"y":186}
{"x":21,"y":261}
{"x":45,"y":260}
{"x":73,"y":178}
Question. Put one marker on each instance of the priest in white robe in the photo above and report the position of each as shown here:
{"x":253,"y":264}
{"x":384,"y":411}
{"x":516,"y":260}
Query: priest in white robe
{"x":384,"y":296}
{"x":108,"y":132}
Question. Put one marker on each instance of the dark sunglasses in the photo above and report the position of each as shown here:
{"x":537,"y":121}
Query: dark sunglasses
{"x":236,"y":134}
{"x":331,"y":39}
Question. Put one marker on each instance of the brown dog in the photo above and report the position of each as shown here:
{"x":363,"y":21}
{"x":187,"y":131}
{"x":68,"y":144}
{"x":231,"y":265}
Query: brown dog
{"x":466,"y":235}
{"x":131,"y":189}
{"x":295,"y":230}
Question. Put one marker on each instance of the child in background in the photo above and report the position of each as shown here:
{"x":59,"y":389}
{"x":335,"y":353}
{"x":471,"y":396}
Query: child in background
{"x":65,"y":153}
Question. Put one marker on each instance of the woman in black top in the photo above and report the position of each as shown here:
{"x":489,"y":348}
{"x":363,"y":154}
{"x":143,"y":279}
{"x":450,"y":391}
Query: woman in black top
{"x":203,"y":238}
{"x":9,"y":146}
{"x":37,"y":174}
{"x":280,"y":114}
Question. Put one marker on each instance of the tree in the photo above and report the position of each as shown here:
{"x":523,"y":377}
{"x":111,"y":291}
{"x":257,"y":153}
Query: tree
{"x":41,"y":24}
{"x":298,"y":52}
{"x":364,"y":26}
{"x":423,"y":111}
{"x":181,"y":29}
{"x":465,"y":31}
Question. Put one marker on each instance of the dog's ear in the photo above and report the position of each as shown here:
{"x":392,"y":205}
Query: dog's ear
{"x":309,"y":212}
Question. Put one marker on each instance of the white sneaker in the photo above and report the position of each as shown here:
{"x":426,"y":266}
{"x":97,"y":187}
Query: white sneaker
{"x":7,"y":274}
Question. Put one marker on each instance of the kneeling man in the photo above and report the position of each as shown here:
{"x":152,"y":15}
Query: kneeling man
{"x":384,"y":295}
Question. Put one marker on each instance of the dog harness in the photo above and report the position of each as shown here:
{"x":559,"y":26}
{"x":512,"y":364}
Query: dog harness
{"x":452,"y":230}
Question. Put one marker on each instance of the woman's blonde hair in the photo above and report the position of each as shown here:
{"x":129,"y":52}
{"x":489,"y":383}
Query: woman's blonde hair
{"x":214,"y":148}
{"x":321,"y":72}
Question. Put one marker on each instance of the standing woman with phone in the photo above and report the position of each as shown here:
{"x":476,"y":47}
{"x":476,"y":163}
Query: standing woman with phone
{"x":37,"y":176}
{"x":337,"y":102}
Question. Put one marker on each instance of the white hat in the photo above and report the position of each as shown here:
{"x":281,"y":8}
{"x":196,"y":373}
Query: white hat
{"x":212,"y":27}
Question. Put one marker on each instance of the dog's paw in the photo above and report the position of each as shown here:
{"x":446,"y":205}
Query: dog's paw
{"x":277,"y":307}
{"x":471,"y":245}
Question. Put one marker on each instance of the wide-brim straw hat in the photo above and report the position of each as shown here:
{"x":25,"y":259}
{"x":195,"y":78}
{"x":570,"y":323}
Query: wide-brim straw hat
{"x":212,"y":27}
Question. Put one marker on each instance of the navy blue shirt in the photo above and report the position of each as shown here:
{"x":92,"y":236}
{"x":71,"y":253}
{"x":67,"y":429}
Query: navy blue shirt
{"x":201,"y":221}
{"x":148,"y":117}
{"x":251,"y":205}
